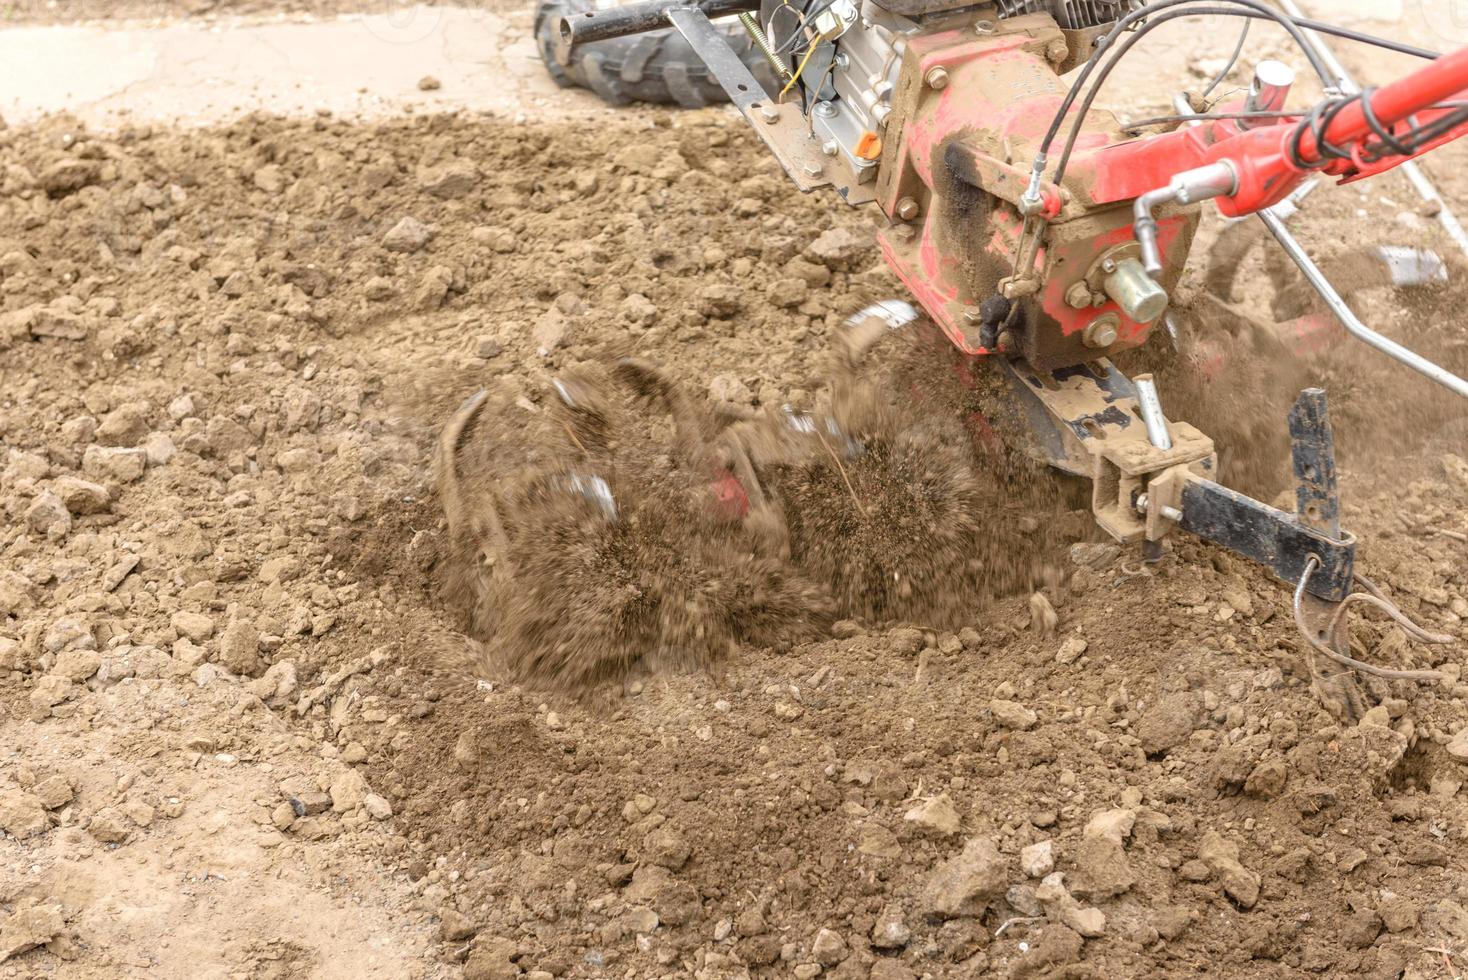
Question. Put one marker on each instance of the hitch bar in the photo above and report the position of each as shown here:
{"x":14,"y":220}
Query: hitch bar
{"x":635,"y":18}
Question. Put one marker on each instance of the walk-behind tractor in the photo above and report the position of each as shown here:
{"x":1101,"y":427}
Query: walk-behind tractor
{"x":1043,"y":237}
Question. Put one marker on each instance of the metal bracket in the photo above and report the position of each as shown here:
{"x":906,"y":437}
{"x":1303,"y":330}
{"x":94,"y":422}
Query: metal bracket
{"x":1087,"y":421}
{"x":782,"y":127}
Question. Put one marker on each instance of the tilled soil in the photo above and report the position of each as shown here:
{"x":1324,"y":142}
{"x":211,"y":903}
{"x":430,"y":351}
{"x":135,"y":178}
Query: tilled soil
{"x":240,"y":712}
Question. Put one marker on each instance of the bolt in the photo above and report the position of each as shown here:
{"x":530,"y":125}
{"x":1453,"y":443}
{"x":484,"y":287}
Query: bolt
{"x":770,"y":113}
{"x":907,"y":209}
{"x":1141,"y":503}
{"x":830,"y":147}
{"x":824,"y":108}
{"x":937,"y":77}
{"x":1057,"y":51}
{"x":1108,"y":265}
{"x":813,"y":169}
{"x":1078,"y":296}
{"x":1100,"y":332}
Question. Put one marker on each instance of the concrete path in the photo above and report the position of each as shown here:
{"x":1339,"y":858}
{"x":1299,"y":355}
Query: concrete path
{"x":362,"y":65}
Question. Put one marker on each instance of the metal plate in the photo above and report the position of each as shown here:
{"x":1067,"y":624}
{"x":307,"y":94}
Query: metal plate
{"x":1271,"y":537}
{"x":782,"y":127}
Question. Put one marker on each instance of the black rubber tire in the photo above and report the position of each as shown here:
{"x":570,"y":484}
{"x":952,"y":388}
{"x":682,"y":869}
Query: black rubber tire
{"x":655,"y":67}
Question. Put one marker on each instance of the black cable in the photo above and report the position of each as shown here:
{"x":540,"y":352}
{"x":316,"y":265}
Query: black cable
{"x":1260,"y":114}
{"x":1209,"y":116}
{"x":1419,"y":136}
{"x":1141,"y":13}
{"x":805,"y":19}
{"x":1238,"y":50}
{"x":1155,"y":22}
{"x":1361,"y":37}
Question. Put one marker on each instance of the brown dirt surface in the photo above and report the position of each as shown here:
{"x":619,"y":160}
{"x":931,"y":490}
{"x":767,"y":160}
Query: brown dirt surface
{"x":246,"y":735}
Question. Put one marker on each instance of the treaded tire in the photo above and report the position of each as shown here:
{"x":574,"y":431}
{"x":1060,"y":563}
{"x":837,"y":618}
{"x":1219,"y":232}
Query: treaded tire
{"x":655,"y":67}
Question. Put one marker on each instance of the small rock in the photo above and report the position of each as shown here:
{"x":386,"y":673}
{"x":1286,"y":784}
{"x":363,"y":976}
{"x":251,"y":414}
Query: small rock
{"x":195,"y":626}
{"x":1101,"y":869}
{"x":82,"y":497}
{"x":1038,"y":860}
{"x":379,"y":288}
{"x":348,"y":791}
{"x":54,"y":792}
{"x":666,"y":848}
{"x":1267,"y":781}
{"x":450,"y":181}
{"x":283,"y":816}
{"x":828,"y":948}
{"x":159,"y":448}
{"x":454,"y":926}
{"x":47,"y":515}
{"x":27,"y":928}
{"x":377,"y":806}
{"x":22,"y":814}
{"x":492,"y":960}
{"x":887,"y":968}
{"x":937,"y":816}
{"x":1398,"y":914}
{"x":1089,"y":922}
{"x":840,"y":249}
{"x":239,"y":649}
{"x":890,"y":931}
{"x":1194,"y":870}
{"x":1222,"y":858}
{"x":750,"y":922}
{"x":125,"y":425}
{"x":1114,"y":825}
{"x":1168,"y":723}
{"x":69,"y":176}
{"x":138,"y":812}
{"x":181,"y":407}
{"x":429,"y":83}
{"x":966,"y":883}
{"x":407,"y":236}
{"x":77,"y":665}
{"x":877,"y":841}
{"x":466,"y":750}
{"x":1070,"y":651}
{"x":1011,"y":714}
{"x":117,"y":463}
{"x":52,"y":690}
{"x":109,"y":826}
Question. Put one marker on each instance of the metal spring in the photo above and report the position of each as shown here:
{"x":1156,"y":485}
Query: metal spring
{"x":762,"y":43}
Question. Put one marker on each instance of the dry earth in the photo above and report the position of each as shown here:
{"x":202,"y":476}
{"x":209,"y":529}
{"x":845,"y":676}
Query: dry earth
{"x":241,"y":738}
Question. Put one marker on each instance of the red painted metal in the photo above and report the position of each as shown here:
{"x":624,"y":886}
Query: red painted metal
{"x":1261,"y":157}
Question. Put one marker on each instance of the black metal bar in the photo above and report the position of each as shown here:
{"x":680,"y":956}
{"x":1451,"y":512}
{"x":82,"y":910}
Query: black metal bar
{"x":1268,"y":536}
{"x":733,"y":74}
{"x":637,"y":18}
{"x":1312,"y":451}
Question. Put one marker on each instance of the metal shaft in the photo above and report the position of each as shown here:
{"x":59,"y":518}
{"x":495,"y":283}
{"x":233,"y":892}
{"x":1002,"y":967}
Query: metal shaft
{"x":1410,"y":169}
{"x":1352,"y":323}
{"x":637,"y":18}
{"x":1152,"y":416}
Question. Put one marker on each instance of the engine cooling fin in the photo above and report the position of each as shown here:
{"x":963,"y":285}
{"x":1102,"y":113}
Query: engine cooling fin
{"x":1069,"y":14}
